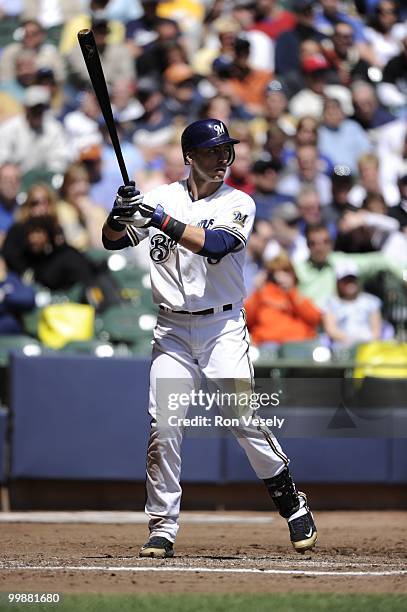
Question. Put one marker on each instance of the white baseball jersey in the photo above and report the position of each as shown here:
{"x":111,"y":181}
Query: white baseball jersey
{"x":182,"y":280}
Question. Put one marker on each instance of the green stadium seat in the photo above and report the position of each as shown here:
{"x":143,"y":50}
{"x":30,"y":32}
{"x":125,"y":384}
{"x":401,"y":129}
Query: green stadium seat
{"x":90,"y":347}
{"x":298,"y":350}
{"x":30,"y":346}
{"x":121,"y":324}
{"x":38,"y":175}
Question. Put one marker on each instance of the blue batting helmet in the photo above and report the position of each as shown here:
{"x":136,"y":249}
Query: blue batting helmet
{"x":204,"y":134}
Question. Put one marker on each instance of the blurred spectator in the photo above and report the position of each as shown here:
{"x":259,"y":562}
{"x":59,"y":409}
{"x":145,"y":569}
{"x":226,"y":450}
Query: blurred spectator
{"x":384,"y":33}
{"x":276,"y":139}
{"x":327,"y":16}
{"x":125,"y":105}
{"x":188,"y":14}
{"x":265,"y":176}
{"x":82,"y":124}
{"x":254,"y":274}
{"x":276,"y":106}
{"x":10,"y":186}
{"x":80,"y":217}
{"x":399,"y":212}
{"x":103,"y":169}
{"x":25,"y":75}
{"x":51,"y":15}
{"x":172,"y":170}
{"x":15,"y":298}
{"x":153,"y":130}
{"x":221,"y":45}
{"x":342,"y":140}
{"x":311,"y":212}
{"x":153,"y":59}
{"x":182,"y":99}
{"x":316,"y":276}
{"x":261,"y":45}
{"x":115,"y":58}
{"x":35,"y":140}
{"x":351,"y":316}
{"x":240,"y":81}
{"x":41,"y":201}
{"x":287,"y":52}
{"x":369,"y":179}
{"x":307,"y":173}
{"x":307,"y":134}
{"x":33,"y":38}
{"x":277,"y":312}
{"x":286,"y":234}
{"x":346,"y":63}
{"x":342,"y":182}
{"x":49,"y":261}
{"x":92,"y":10}
{"x":239,"y":175}
{"x":393,"y":89}
{"x":271,"y":19}
{"x":142,"y":31}
{"x":309,"y":101}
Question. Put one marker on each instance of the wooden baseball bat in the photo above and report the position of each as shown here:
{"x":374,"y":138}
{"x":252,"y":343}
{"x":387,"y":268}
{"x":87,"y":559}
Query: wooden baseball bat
{"x":92,"y":60}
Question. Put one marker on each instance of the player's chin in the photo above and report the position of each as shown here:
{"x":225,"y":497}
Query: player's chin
{"x":218,"y":174}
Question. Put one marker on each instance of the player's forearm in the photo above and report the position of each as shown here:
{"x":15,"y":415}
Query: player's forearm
{"x":114,"y":235}
{"x":193,"y":238}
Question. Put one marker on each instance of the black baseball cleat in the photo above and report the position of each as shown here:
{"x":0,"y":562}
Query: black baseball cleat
{"x":303,"y":532}
{"x":157,"y":548}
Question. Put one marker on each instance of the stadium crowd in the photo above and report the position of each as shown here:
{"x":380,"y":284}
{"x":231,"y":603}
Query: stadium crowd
{"x":316,"y":92}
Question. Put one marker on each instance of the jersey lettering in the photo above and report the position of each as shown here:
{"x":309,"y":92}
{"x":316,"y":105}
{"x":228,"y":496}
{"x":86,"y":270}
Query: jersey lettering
{"x":205,"y":223}
{"x":219,"y":129}
{"x":161,"y":247}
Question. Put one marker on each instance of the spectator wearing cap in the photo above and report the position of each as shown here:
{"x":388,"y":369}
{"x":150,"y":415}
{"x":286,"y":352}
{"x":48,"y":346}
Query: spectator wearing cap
{"x":344,"y":56}
{"x":277,"y":312}
{"x":261,"y":45}
{"x":317,"y":276}
{"x":287,"y":51}
{"x":35,"y":140}
{"x":265,"y":175}
{"x":220,"y":44}
{"x":307,"y":172}
{"x":342,"y":140}
{"x":271,"y":19}
{"x":182,"y":99}
{"x":351,"y":316}
{"x":275,"y":111}
{"x":33,"y":39}
{"x":116,"y":59}
{"x":309,"y":101}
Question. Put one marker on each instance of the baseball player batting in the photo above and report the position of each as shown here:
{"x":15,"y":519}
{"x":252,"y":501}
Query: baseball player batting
{"x":197,"y":231}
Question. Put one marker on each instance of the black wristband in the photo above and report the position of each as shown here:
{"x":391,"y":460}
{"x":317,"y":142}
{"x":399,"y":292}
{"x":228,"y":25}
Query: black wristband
{"x":173,"y":228}
{"x":115,"y":225}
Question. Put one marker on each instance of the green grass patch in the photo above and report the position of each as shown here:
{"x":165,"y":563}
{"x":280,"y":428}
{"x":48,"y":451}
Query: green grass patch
{"x":272,"y":602}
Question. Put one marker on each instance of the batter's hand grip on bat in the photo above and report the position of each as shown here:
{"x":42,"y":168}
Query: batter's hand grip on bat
{"x":92,"y":60}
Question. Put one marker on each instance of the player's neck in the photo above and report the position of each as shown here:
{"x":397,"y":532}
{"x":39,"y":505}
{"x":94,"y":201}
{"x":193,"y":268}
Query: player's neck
{"x":199,"y":189}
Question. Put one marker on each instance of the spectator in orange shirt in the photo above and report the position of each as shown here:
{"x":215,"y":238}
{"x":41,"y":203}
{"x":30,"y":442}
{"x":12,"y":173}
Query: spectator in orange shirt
{"x":277,"y":312}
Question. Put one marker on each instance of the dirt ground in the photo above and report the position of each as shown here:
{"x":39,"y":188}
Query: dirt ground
{"x":348,"y":542}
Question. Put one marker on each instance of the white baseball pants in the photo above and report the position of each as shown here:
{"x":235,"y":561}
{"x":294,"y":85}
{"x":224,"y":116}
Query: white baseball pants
{"x":185,"y":348}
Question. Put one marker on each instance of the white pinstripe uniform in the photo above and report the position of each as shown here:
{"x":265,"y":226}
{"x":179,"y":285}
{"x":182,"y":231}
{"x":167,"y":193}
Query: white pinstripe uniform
{"x":188,"y":346}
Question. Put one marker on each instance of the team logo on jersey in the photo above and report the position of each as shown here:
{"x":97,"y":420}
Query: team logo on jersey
{"x":239,"y":219}
{"x":161,"y":248}
{"x":219,"y":129}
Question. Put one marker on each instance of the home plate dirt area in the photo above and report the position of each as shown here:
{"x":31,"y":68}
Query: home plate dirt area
{"x":240,"y":552}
